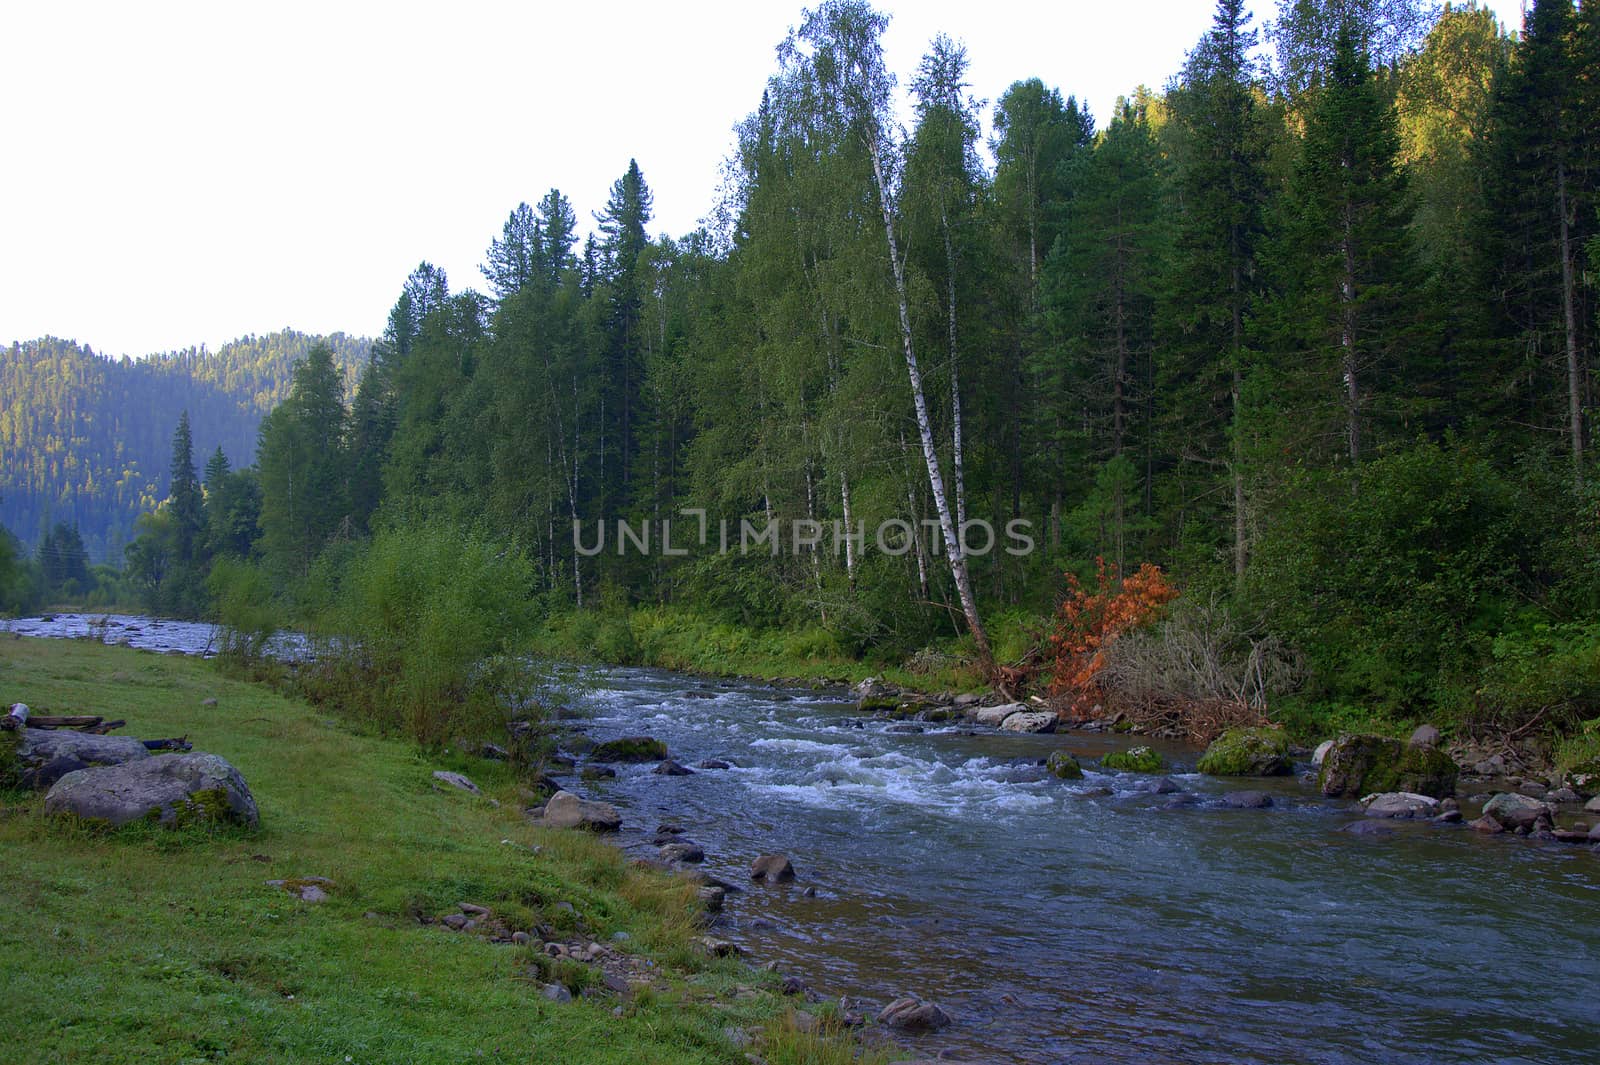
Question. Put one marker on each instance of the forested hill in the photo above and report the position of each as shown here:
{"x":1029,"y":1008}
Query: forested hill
{"x":88,"y":439}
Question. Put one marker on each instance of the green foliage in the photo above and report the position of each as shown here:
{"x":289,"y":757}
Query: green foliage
{"x":1546,"y":675}
{"x":1393,"y":589}
{"x":423,"y":635}
{"x":302,"y":467}
{"x":246,"y":609}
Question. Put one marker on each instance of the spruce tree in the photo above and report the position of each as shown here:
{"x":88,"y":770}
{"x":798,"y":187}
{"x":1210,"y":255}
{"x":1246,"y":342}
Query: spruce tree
{"x":1212,"y":283}
{"x":183,"y":495}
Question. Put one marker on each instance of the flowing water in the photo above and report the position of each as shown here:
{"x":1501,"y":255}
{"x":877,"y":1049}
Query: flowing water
{"x":1085,"y":921}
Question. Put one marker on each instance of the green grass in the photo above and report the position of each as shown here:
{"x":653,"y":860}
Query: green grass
{"x":159,"y":946}
{"x":682,"y":639}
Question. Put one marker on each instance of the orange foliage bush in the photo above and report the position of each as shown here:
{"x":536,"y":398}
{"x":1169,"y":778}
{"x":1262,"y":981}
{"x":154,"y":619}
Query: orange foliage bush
{"x":1087,"y":622}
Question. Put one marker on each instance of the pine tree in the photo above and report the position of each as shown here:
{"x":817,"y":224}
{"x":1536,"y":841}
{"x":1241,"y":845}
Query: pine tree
{"x":1541,"y":210}
{"x":302,"y":463}
{"x":184,"y":499}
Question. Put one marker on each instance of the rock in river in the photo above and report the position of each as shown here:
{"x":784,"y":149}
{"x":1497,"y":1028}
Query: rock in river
{"x":1515,"y":811}
{"x":1400,"y":804}
{"x":669,"y":768}
{"x":1062,"y":764}
{"x":994,"y":715}
{"x":773,"y":868}
{"x":1359,"y":765}
{"x":910,"y":1014}
{"x":630,"y":749}
{"x":566,"y":810}
{"x":1248,"y":752}
{"x":173,"y":789}
{"x":1247,"y":800}
{"x":1030,"y":721}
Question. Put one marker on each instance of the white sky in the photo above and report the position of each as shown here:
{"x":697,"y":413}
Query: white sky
{"x":175,"y":173}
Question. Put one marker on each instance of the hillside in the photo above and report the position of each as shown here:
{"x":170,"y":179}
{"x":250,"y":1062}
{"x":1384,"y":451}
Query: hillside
{"x":88,"y":439}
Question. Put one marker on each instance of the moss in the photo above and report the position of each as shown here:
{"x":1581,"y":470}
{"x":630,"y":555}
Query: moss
{"x":1248,"y":752}
{"x":1135,"y":760}
{"x":878,"y":706}
{"x":1360,"y":765}
{"x":630,"y":749}
{"x":208,"y":806}
{"x":1064,"y":765}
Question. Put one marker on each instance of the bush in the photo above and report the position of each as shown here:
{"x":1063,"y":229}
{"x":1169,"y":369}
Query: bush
{"x":1545,"y":678}
{"x":1393,"y":588}
{"x":425,"y":635}
{"x":244,"y":609}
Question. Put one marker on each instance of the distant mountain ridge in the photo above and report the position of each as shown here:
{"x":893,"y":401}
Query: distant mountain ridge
{"x":87,"y":439}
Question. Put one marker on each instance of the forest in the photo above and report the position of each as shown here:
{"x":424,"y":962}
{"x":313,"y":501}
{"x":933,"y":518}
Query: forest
{"x":85,"y":439}
{"x":1304,"y":336}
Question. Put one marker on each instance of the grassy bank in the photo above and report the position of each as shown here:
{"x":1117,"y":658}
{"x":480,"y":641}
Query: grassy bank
{"x":678,"y":638}
{"x":157,"y":946}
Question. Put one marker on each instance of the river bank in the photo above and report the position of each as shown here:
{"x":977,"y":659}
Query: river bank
{"x":173,"y":945}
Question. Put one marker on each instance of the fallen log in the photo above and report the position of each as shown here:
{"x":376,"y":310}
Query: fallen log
{"x":17,"y":718}
{"x":104,"y":727}
{"x":78,"y":721}
{"x":180,"y":743}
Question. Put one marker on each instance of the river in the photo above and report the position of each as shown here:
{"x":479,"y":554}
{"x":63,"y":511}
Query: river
{"x":1085,"y":921}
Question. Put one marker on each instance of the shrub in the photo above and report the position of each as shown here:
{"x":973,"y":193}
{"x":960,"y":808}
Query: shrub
{"x":425,"y":633}
{"x":243,"y":607}
{"x":1087,"y":623}
{"x":1394,"y":587}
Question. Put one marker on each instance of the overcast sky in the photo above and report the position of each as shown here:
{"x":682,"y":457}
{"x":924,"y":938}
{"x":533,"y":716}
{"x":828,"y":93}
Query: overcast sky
{"x":182,"y":173}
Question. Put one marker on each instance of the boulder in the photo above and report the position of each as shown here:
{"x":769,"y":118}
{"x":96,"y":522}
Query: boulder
{"x":714,"y":763}
{"x":1359,"y":765}
{"x":911,"y":1014}
{"x":1248,"y":752}
{"x":566,"y":810}
{"x":456,"y":780}
{"x":966,"y":699}
{"x":630,"y":749}
{"x":1400,"y":804}
{"x":1487,"y":825}
{"x":683,"y":851}
{"x":669,"y":768}
{"x":1515,"y":811}
{"x":1424,"y":736}
{"x":1030,"y":721}
{"x":37,"y":758}
{"x":1369,"y":829}
{"x":994,"y":715}
{"x":174,"y":789}
{"x":1135,"y":760}
{"x":1321,"y":752}
{"x":1063,"y":765}
{"x":773,"y":868}
{"x":1247,"y":800}
{"x":1593,"y":805}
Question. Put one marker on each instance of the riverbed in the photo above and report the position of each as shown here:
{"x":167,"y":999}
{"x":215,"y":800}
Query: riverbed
{"x":1089,"y":920}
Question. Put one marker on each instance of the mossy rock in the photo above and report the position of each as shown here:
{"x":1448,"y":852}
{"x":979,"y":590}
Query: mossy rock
{"x":1358,"y":765}
{"x":1064,"y":765}
{"x":1135,"y":760}
{"x":877,"y":706}
{"x":1248,"y":752}
{"x":630,"y":749}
